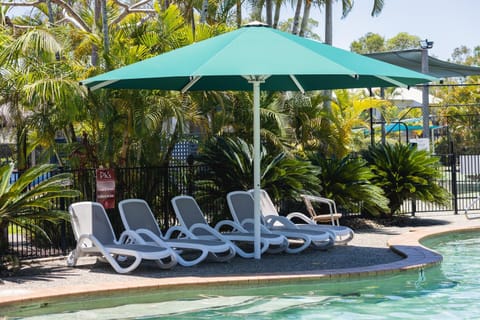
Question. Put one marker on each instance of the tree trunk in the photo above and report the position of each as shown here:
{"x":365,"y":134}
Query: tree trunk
{"x":50,"y":12}
{"x":296,"y":17}
{"x":96,"y":18}
{"x":192,"y":21}
{"x":106,"y":40}
{"x":329,"y":22}
{"x":268,"y":9}
{"x":257,"y":10}
{"x":122,"y":159}
{"x":276,"y":16}
{"x":306,"y":16}
{"x":239,"y":13}
{"x":328,"y":40}
{"x":22,"y":161}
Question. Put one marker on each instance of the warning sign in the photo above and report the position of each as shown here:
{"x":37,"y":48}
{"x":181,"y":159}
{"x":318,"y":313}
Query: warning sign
{"x":106,"y":187}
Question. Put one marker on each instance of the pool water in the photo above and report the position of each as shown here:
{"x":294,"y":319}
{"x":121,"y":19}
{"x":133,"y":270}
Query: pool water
{"x":450,"y":290}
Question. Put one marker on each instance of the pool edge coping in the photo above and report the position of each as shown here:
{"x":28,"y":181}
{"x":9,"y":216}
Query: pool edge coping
{"x":407,"y":244}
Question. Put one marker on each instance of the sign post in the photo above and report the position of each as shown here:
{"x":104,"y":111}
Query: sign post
{"x":106,"y":187}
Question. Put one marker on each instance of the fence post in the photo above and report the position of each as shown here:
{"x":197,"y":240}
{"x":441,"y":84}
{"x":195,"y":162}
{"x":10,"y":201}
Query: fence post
{"x":166,"y":196}
{"x":453,"y":169}
{"x":414,"y":207}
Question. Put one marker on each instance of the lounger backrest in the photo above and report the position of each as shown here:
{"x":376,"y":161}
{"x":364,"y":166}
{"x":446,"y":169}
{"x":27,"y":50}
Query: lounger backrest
{"x":241,"y":205}
{"x":266,"y":205}
{"x":90,"y":218}
{"x":187,"y":211}
{"x":309,"y":206}
{"x":136,"y":214}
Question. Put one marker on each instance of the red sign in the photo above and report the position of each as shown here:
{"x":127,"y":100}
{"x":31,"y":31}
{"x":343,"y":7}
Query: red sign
{"x":106,"y":188}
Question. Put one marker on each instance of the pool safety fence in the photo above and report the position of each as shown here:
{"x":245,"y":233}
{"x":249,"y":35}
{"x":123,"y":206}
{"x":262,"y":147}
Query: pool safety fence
{"x":460,"y":175}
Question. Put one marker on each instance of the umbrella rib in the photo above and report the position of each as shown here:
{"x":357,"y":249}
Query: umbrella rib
{"x":190,"y":84}
{"x":297,"y":83}
{"x":103,"y":84}
{"x":393,"y":81}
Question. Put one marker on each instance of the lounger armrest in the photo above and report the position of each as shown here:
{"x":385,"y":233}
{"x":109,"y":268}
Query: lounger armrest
{"x":129,"y":236}
{"x":208,"y":229}
{"x":250,"y":222}
{"x":152,"y":236}
{"x":334,"y":215}
{"x":279,"y":220}
{"x":233,"y":226}
{"x":331,"y":203}
{"x":182,"y":233}
{"x":301,"y":216}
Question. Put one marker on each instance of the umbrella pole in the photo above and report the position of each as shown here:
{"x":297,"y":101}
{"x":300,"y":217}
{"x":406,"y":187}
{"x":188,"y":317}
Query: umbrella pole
{"x":256,"y":166}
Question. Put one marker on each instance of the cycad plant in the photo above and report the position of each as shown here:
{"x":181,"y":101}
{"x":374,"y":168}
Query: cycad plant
{"x":230,"y":163}
{"x":404,"y":172}
{"x":348,"y":182}
{"x":29,"y":200}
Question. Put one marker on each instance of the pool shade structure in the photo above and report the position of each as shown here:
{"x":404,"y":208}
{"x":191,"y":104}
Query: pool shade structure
{"x":257,"y":57}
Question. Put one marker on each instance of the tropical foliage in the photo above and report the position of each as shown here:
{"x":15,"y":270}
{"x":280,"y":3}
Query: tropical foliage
{"x":348,"y":181}
{"x":230,"y":162}
{"x":373,"y":42}
{"x":46,"y":52}
{"x":405,"y":173}
{"x":29,"y":200}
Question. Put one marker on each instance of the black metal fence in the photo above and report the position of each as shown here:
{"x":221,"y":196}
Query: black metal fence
{"x":157,"y":185}
{"x":460,"y":175}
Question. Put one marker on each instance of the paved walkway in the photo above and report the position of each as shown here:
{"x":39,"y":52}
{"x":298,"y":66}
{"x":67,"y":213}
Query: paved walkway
{"x":371,"y":252}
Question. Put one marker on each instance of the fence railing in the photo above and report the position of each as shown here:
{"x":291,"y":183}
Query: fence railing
{"x":460,"y":175}
{"x":157,"y":185}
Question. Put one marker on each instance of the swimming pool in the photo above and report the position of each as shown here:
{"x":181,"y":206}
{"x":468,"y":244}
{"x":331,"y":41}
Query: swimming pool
{"x":449,"y":290}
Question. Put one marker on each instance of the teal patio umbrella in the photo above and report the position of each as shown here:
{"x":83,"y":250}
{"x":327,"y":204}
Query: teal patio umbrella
{"x":257,"y":57}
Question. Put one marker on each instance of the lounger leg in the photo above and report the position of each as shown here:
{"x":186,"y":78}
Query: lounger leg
{"x":305,"y":245}
{"x":188,"y":263}
{"x":72,"y":258}
{"x":224,"y":256}
{"x":166,"y":263}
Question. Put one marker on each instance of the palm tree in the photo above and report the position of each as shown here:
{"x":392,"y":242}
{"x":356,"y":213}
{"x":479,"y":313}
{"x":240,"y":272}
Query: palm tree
{"x":346,"y":121}
{"x":27,"y":203}
{"x":38,"y":83}
{"x":346,"y":7}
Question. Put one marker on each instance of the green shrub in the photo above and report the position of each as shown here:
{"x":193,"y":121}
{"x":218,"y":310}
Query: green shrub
{"x":230,"y":162}
{"x":28,"y":203}
{"x":348,"y":182}
{"x":405,"y":173}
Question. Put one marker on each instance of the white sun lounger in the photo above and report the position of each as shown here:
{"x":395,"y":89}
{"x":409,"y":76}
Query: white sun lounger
{"x":342,"y":234}
{"x":94,"y":234}
{"x":241,"y":206}
{"x":137,"y":216}
{"x":191,"y":217}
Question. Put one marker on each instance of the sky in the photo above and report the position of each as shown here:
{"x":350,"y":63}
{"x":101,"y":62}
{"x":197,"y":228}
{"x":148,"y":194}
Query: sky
{"x":449,"y":23}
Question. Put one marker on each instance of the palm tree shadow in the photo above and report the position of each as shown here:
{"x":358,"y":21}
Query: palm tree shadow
{"x":41,"y":273}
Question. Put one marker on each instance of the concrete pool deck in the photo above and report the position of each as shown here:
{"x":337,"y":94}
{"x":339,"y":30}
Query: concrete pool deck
{"x":374,"y":251}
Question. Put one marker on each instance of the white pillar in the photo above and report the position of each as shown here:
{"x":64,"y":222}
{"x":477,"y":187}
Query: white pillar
{"x":256,"y":166}
{"x":425,"y":94}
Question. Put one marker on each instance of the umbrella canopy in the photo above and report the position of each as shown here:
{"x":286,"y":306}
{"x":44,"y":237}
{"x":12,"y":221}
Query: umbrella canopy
{"x":252,"y":57}
{"x":285,"y":61}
